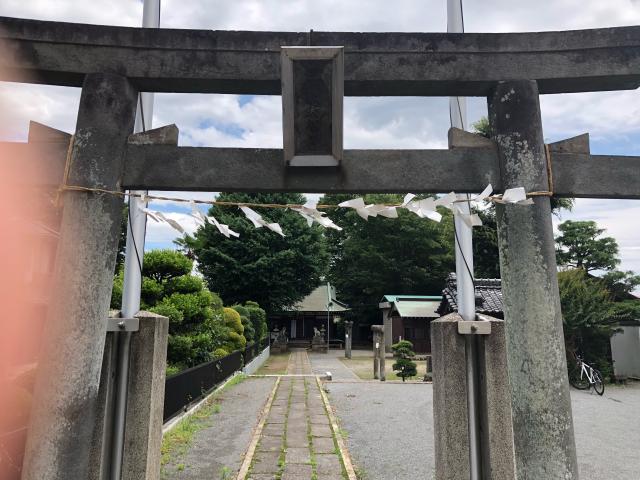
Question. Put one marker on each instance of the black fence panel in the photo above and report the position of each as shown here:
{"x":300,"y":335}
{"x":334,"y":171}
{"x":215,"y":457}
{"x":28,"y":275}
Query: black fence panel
{"x":250,"y":352}
{"x":186,"y":387}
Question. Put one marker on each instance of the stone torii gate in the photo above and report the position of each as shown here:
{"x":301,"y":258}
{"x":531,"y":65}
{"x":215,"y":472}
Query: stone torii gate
{"x":112,"y":64}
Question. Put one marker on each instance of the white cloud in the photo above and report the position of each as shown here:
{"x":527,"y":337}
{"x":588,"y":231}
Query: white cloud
{"x":162,"y":233}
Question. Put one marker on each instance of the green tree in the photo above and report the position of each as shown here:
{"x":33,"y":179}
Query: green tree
{"x":588,"y":318}
{"x":261,"y":265}
{"x":378,"y":256}
{"x":403,"y":353}
{"x":196,"y":326}
{"x":621,"y":284}
{"x":580,"y":245}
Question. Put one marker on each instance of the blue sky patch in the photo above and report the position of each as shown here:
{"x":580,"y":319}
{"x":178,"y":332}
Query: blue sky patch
{"x":231,"y":129}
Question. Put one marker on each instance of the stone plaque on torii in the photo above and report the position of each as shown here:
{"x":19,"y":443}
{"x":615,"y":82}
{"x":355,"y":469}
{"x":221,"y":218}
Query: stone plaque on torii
{"x":112,"y":64}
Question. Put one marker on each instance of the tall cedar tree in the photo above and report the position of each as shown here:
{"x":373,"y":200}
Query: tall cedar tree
{"x":261,"y":265}
{"x":378,"y":256}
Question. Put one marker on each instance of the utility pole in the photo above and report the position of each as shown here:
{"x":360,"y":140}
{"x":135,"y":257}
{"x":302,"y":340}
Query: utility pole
{"x":136,"y":230}
{"x":464,"y":265}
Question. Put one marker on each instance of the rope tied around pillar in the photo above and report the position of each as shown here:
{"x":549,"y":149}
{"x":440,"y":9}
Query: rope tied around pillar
{"x":549,"y":192}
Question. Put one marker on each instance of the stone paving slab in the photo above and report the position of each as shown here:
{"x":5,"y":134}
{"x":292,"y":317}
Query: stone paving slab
{"x":297,"y":471}
{"x":296,"y":442}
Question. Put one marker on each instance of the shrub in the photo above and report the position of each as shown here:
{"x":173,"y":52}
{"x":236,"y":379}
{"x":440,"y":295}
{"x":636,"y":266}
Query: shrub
{"x":198,"y":323}
{"x":237,"y":341}
{"x":202,"y":348}
{"x":258,"y":318}
{"x":249,"y":331}
{"x":195,"y":307}
{"x":403,"y":352}
{"x":184,"y":284}
{"x":179,"y":349}
{"x":173,"y":369}
{"x":116,"y":292}
{"x":169,"y":310}
{"x":220,"y":352}
{"x":164,"y":264}
{"x":151,"y":291}
{"x":586,"y":315}
{"x":232,"y":320}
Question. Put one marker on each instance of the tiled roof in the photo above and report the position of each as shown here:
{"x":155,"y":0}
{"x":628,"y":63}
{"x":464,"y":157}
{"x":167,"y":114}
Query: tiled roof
{"x":393,"y":298}
{"x":416,"y":308}
{"x":488,"y":296}
{"x":316,"y":301}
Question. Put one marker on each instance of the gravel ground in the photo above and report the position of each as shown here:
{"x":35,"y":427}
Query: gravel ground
{"x":390,"y":430}
{"x":225,"y":441}
{"x":322,"y":363}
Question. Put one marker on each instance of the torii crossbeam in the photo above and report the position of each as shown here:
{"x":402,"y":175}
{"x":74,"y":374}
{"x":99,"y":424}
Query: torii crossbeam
{"x":113,"y":63}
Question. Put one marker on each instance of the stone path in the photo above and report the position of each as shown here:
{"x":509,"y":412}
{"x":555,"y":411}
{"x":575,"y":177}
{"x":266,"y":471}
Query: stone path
{"x":322,"y":363}
{"x":296,"y":441}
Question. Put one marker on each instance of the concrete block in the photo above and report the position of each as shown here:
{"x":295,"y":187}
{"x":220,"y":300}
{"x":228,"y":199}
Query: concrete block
{"x":450,"y":410}
{"x":496,"y":425}
{"x":449,"y":400}
{"x":143,"y":434}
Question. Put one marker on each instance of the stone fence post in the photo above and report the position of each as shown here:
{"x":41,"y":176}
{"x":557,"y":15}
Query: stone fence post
{"x":450,"y":402}
{"x":378,"y":352}
{"x":145,"y":402}
{"x":348,"y":338}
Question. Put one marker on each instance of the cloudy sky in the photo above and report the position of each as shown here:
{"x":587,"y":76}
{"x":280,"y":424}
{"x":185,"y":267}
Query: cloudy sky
{"x":612,"y":119}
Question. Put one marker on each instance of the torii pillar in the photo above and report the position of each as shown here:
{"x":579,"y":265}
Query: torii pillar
{"x":66,"y":390}
{"x":542,"y":419}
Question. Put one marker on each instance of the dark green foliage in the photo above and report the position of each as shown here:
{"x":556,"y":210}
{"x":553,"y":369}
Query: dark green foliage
{"x":621,"y":284}
{"x":116,"y":292}
{"x":232,"y":320}
{"x":162,"y":265}
{"x":486,"y":259}
{"x":249,"y":331}
{"x":261,"y":265}
{"x":152,"y":291}
{"x":220,"y":352}
{"x":169,"y":310}
{"x":378,"y":256}
{"x":403,"y":353}
{"x":580,"y":245}
{"x":258,"y":319}
{"x":122,"y":239}
{"x":184,"y":284}
{"x":588,"y":318}
{"x":196,"y":324}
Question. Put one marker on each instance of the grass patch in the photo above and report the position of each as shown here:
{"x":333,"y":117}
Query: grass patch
{"x":276,"y":364}
{"x":362,"y":366}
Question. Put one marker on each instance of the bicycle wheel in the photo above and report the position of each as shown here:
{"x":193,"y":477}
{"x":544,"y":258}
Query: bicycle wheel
{"x":598,"y":383}
{"x":577,"y":381}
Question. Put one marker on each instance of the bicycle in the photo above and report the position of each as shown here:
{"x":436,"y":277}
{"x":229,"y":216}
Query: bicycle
{"x":587,"y":377}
